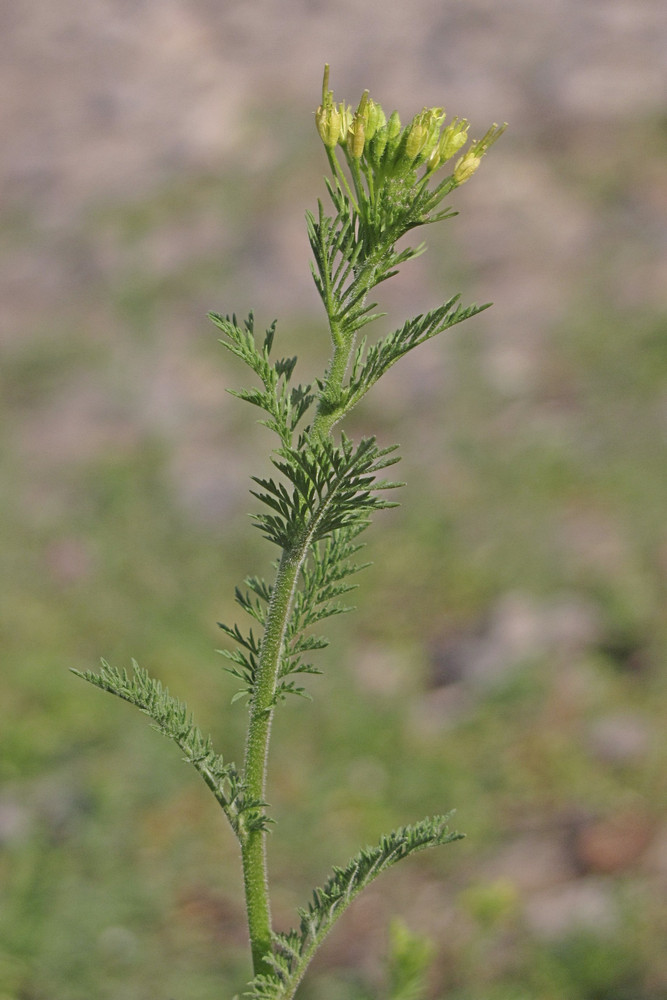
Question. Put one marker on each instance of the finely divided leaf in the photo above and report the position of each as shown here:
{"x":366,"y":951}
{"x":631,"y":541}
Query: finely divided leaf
{"x":172,"y":719}
{"x":285,"y":405}
{"x":333,"y":487}
{"x":294,"y":950}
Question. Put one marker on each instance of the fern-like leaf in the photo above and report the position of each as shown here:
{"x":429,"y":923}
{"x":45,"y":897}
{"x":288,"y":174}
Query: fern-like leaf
{"x":285,"y":405}
{"x":172,"y":718}
{"x":333,"y":487}
{"x":371,"y":365}
{"x":294,"y":950}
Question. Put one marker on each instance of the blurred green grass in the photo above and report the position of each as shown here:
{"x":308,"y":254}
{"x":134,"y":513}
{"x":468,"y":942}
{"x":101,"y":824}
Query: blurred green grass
{"x":118,"y":876}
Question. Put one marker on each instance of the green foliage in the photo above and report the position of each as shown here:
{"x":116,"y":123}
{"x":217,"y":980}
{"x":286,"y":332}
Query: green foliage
{"x":331,"y":489}
{"x":323,"y":580}
{"x":294,"y":950}
{"x":284,"y":405}
{"x":172,"y":719}
{"x":349,"y":262}
{"x":318,"y":503}
{"x":369,"y":366}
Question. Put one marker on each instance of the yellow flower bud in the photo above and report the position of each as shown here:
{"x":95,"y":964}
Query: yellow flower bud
{"x":423,"y":134}
{"x":466,"y":167}
{"x":417,"y":136}
{"x":453,"y":137}
{"x":329,"y":121}
{"x":356,"y":137}
{"x":469,"y":163}
{"x":328,"y":117}
{"x":433,"y":161}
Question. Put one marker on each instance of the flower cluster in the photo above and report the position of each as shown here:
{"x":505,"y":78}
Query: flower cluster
{"x":383,"y":149}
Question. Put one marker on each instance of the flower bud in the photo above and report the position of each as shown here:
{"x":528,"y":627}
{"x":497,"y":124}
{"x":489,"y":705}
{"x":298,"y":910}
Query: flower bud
{"x":329,"y":120}
{"x":379,"y":144}
{"x":415,"y":140}
{"x":328,"y":117}
{"x":453,"y":137}
{"x":394,"y":135}
{"x":433,"y":162}
{"x":375,"y":119}
{"x":362,"y":107}
{"x":468,"y":164}
{"x":466,"y":167}
{"x":393,"y":126}
{"x":356,"y":136}
{"x":423,"y":134}
{"x":433,"y":120}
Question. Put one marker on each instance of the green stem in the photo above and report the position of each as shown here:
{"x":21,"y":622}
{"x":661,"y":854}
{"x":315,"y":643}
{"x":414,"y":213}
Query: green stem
{"x":364,"y":202}
{"x":253,"y":842}
{"x":253,"y":847}
{"x":338,"y":173}
{"x":327,"y":415}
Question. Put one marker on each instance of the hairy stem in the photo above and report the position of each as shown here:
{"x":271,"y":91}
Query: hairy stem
{"x":253,"y":844}
{"x":327,"y":412}
{"x":340,"y":176}
{"x":259,"y":731}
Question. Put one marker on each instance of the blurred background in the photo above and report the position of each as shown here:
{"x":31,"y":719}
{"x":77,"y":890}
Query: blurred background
{"x":507,"y":655}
